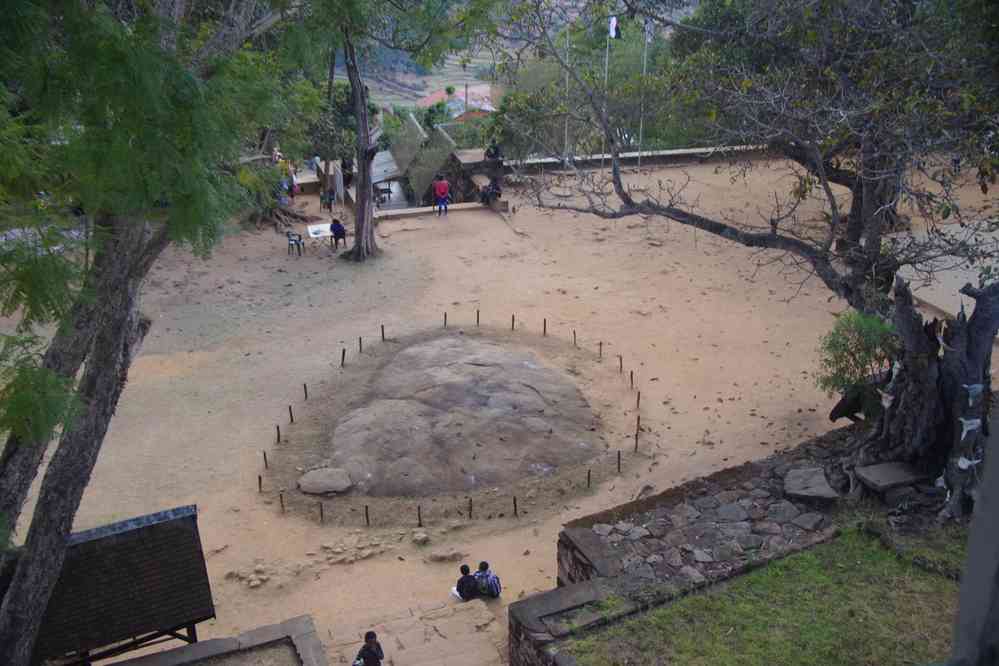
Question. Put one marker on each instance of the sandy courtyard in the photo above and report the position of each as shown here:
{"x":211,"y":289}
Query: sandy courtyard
{"x":724,"y":355}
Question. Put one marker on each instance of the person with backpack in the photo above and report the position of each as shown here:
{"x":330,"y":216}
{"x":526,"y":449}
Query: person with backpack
{"x":487,"y":582}
{"x":370,"y":653}
{"x":467,"y":587}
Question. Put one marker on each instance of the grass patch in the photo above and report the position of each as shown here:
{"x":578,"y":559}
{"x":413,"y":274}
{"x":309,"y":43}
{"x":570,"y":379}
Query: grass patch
{"x":849,"y":602}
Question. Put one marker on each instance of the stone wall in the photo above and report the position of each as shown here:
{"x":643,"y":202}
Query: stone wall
{"x":652,"y":551}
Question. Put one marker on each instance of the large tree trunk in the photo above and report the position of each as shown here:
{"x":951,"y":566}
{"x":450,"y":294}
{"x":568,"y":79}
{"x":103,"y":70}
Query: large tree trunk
{"x":131,"y":250}
{"x":364,"y":227}
{"x":937,"y":401}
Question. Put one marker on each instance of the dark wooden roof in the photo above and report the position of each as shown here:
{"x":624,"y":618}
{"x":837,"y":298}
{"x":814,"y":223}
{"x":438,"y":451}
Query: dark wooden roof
{"x":125,"y":580}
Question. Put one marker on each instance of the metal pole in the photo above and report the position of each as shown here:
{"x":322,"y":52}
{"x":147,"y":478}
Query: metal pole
{"x":603,"y":134}
{"x":566,"y":140}
{"x":641,"y":113}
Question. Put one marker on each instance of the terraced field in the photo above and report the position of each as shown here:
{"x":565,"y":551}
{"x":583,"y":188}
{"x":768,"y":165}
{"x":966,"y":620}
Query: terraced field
{"x":405,"y":89}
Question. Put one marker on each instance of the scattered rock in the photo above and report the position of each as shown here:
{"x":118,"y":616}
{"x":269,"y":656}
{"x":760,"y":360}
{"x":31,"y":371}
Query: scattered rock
{"x":766,"y":527}
{"x":808,"y":483}
{"x":446,"y":556}
{"x":702,"y":556}
{"x":731,"y":513}
{"x":527,"y":552}
{"x":421,"y":538}
{"x":782,"y":512}
{"x":325,"y":480}
{"x":636,"y":533}
{"x":759,"y":493}
{"x":654,"y":559}
{"x":259,"y":569}
{"x":705,"y":503}
{"x":728,"y":496}
{"x":886,"y":476}
{"x":624,"y":527}
{"x":692,"y":574}
{"x":809,"y":521}
{"x":674,"y":558}
{"x":603,"y":529}
{"x":750,"y":541}
{"x":728,"y":551}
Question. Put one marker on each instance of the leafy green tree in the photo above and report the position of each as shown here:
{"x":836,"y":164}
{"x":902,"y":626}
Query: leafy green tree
{"x":131,"y":120}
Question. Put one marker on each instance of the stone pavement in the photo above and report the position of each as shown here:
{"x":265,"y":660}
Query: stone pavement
{"x":443,"y":634}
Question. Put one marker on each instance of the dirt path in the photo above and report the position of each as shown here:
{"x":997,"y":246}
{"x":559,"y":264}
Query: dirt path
{"x":723,"y":359}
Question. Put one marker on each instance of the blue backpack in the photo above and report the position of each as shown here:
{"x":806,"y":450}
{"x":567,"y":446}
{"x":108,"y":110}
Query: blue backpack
{"x":489,"y":583}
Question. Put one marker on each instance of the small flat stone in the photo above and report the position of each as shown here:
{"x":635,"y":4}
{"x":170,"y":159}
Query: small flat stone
{"x":421,"y":538}
{"x":603,"y":529}
{"x":444,"y":556}
{"x":624,"y":527}
{"x":728,"y":551}
{"x":637,"y":532}
{"x":808,"y":483}
{"x":325,"y":480}
{"x":702,"y":556}
{"x":674,"y":558}
{"x":644,"y":571}
{"x":728,"y":496}
{"x":737,"y":529}
{"x":708,"y":502}
{"x":782,"y":512}
{"x":766,"y":527}
{"x":615,"y":538}
{"x":886,"y":476}
{"x":731,"y":513}
{"x":750,"y":541}
{"x":654,"y":559}
{"x":809,"y":521}
{"x":693,"y":575}
{"x":759,"y":493}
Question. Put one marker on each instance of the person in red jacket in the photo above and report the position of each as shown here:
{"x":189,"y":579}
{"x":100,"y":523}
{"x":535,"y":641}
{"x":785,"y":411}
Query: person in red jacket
{"x":442,"y":192}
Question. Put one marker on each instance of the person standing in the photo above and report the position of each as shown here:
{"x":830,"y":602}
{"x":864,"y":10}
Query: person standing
{"x":442,"y":191}
{"x":370,"y":653}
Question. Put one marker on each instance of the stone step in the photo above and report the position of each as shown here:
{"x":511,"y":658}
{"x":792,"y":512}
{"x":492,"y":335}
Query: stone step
{"x":808,"y":483}
{"x":885,"y":476}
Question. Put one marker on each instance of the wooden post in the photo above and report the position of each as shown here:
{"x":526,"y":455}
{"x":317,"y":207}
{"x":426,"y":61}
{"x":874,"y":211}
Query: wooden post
{"x":574,"y":338}
{"x":445,"y":320}
{"x":544,"y":327}
{"x":383,"y":332}
{"x":631,"y":378}
{"x":600,"y":349}
{"x":278,"y":433}
{"x":469,"y":508}
{"x":265,"y":460}
{"x":476,"y":318}
{"x":513,"y":321}
{"x":305,"y":387}
{"x":260,"y":484}
{"x":343,"y":356}
{"x":360,"y":345}
{"x":419,"y":516}
{"x":619,"y":461}
{"x":620,"y":363}
{"x":638,"y":428}
{"x":515,"y":515}
{"x":638,"y":400}
{"x":322,"y":514}
{"x":281,"y":499}
{"x":367,"y":518}
{"x":291,"y":414}
{"x":589,"y":473}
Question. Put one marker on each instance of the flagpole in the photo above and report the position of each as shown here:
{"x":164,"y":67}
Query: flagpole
{"x":566,"y":140}
{"x":641,"y":115}
{"x":603,"y":134}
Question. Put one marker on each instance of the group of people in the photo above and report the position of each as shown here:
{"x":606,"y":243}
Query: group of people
{"x":482,"y":584}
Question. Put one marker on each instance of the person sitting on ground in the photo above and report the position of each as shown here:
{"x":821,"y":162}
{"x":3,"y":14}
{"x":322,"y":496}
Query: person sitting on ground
{"x":467,"y":587}
{"x":487,"y":582}
{"x":339,"y":233}
{"x":370,"y":653}
{"x":442,"y":191}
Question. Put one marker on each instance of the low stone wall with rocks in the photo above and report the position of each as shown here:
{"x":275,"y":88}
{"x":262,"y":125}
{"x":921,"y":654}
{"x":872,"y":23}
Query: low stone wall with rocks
{"x":649,"y":552}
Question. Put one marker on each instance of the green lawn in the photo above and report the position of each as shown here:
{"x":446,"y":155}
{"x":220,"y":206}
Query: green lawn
{"x":849,"y":602}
